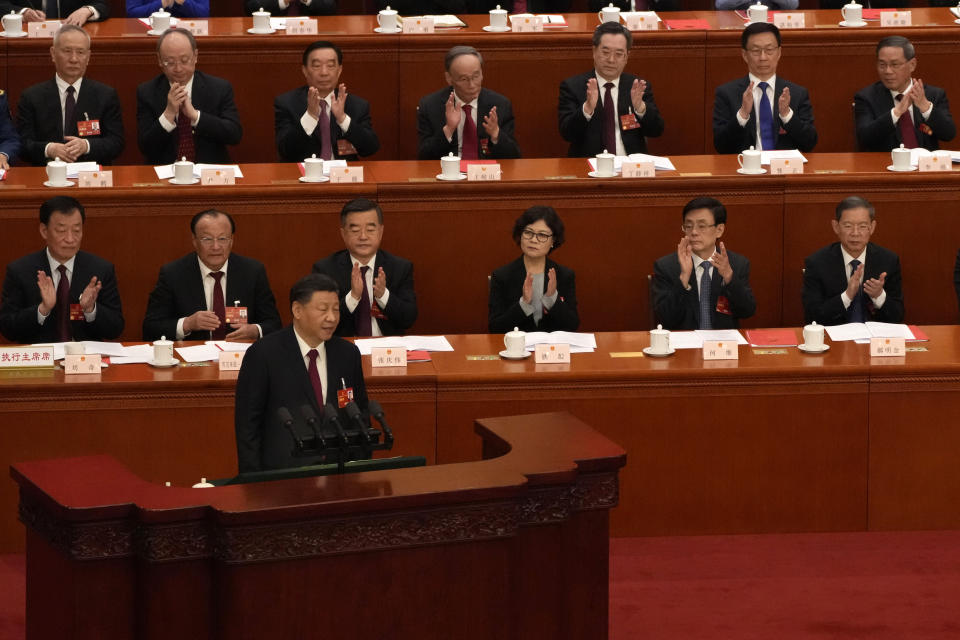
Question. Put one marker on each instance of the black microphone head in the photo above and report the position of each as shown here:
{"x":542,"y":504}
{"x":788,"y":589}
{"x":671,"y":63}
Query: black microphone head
{"x":330,"y":413}
{"x":375,"y":409}
{"x":353,"y":411}
{"x":307,"y":412}
{"x":285,"y":414}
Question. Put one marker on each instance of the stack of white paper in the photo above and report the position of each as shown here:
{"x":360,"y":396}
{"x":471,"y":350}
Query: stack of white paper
{"x":223,"y":345}
{"x":694,"y":339}
{"x":659,"y":162}
{"x":134,"y":354}
{"x":861,"y":332}
{"x":410,"y":343}
{"x":789,"y":154}
{"x":579,"y":342}
{"x":165,"y":172}
{"x":198,"y":353}
{"x":74,"y":168}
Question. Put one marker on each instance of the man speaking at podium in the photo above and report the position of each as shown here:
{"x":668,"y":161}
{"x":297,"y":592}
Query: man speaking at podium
{"x":303,"y":364}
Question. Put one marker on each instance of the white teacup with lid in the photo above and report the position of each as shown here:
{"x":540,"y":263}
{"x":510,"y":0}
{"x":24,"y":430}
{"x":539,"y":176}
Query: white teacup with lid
{"x":57,"y":172}
{"x":163,"y":351}
{"x":813,"y":336}
{"x":749,"y":160}
{"x":609,"y":13}
{"x":605,"y":164}
{"x":900,"y":158}
{"x":852,"y":13}
{"x":261,"y":21}
{"x":389,"y":20}
{"x":757,"y":12}
{"x":659,"y":340}
{"x":515,"y":342}
{"x":13,"y":25}
{"x":313,"y":168}
{"x":498,"y":19}
{"x":183,"y":171}
{"x":160,"y":21}
{"x":450,"y":166}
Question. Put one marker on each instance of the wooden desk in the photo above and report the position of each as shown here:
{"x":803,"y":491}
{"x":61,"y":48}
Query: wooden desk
{"x":394,"y":71}
{"x":523,"y":534}
{"x":616,"y":229}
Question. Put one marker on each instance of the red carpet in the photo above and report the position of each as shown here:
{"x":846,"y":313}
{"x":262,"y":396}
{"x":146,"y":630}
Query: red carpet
{"x":875,"y":586}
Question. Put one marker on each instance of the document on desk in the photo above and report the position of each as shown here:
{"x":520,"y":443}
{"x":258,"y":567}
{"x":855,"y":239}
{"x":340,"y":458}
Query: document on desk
{"x":579,"y":342}
{"x":789,"y":154}
{"x":849,"y":331}
{"x":686,"y":340}
{"x":104,"y":348}
{"x":74,"y":168}
{"x":410,"y":343}
{"x":886,"y":330}
{"x":223,"y":345}
{"x":134,"y":354}
{"x":198,"y":353}
{"x":165,"y":171}
{"x":724,"y":335}
{"x":659,"y":162}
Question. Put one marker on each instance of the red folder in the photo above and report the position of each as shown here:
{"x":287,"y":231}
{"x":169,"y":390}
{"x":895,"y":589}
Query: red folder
{"x":772,"y":337}
{"x":690,"y":25}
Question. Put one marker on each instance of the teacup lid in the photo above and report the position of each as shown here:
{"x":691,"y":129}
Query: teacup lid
{"x":659,"y":329}
{"x":183,"y":160}
{"x":388,"y":10}
{"x":605,"y":154}
{"x":516,"y":332}
{"x":812,"y":325}
{"x":313,"y":158}
{"x":57,"y":162}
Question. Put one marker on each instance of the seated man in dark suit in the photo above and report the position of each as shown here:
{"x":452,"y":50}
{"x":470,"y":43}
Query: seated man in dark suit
{"x":852,"y":280}
{"x":178,"y":8}
{"x":184,"y":112}
{"x":320,"y":117}
{"x":465,"y":119}
{"x":293,"y":7}
{"x":60,"y":293}
{"x":303,"y":364}
{"x":73,"y":12}
{"x":193,"y":294}
{"x":702,"y":285}
{"x":605,"y":108}
{"x":69,"y":116}
{"x":376,"y":288}
{"x":900,"y":109}
{"x":762,"y":110}
{"x":9,"y":138}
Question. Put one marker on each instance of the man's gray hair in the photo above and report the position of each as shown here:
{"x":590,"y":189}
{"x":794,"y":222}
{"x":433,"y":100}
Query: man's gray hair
{"x":456,"y":52}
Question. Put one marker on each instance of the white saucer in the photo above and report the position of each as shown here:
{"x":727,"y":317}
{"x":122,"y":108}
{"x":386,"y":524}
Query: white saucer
{"x":163,"y":365}
{"x":844,"y":23}
{"x":744,"y":172}
{"x":506,"y":354}
{"x":312,"y":180}
{"x":594,"y":174}
{"x":650,"y":352}
{"x":154,"y":32}
{"x":24,"y":33}
{"x":462,"y":176}
{"x":806,"y":349}
{"x":258,"y":32}
{"x":496,"y":29}
{"x":174,"y":181}
{"x":380,"y":30}
{"x":58,"y":185}
{"x":890,"y":168}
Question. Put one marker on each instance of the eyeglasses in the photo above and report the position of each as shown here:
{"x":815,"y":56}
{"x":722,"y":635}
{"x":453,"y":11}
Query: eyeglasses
{"x":893,"y":66}
{"x":616,"y":54}
{"x":207,"y":241}
{"x":476,"y":77}
{"x":530,"y":234}
{"x":358,"y":230}
{"x":862,"y":227}
{"x":700,"y":228}
{"x":169,"y":63}
{"x":756,"y":51}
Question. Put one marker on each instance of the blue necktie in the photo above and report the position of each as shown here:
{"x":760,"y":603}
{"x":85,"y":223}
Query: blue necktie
{"x":706,"y":319}
{"x":765,"y":114}
{"x":855,"y":311}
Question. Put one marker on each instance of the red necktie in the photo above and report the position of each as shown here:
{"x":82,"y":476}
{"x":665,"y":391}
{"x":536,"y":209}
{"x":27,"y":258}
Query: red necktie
{"x":362,"y":318}
{"x":519,"y":6}
{"x":908,"y":135}
{"x":69,"y":120}
{"x":314,"y":374}
{"x":185,"y":147}
{"x":609,"y":116}
{"x":63,"y":306}
{"x":218,"y":307}
{"x":293,"y":8}
{"x":468,"y":150}
{"x":323,"y":132}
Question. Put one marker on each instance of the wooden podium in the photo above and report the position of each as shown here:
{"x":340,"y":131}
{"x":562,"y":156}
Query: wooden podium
{"x":513,"y":546}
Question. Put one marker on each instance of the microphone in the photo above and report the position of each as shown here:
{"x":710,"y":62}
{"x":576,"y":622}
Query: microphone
{"x":330,"y":414}
{"x":287,"y":420}
{"x":353,"y":413}
{"x":308,"y":414}
{"x":377,"y":412}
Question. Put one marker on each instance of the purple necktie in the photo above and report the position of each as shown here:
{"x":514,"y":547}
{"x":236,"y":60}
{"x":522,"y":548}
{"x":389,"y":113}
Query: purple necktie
{"x":362,"y":317}
{"x":314,"y":374}
{"x":323,"y":131}
{"x":219,"y":307}
{"x":609,"y":120}
{"x":908,"y":136}
{"x":63,"y":306}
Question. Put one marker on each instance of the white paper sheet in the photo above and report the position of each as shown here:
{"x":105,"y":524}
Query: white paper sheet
{"x":720,"y":334}
{"x":849,"y":331}
{"x":646,"y":14}
{"x":165,"y":171}
{"x":198,"y":353}
{"x":790,"y":154}
{"x":410,"y":343}
{"x":579,"y":342}
{"x":146,"y":22}
{"x":74,"y":168}
{"x":686,"y":340}
{"x":104,"y":348}
{"x":278,"y":23}
{"x":223,"y":345}
{"x":134,"y":354}
{"x":659,"y":162}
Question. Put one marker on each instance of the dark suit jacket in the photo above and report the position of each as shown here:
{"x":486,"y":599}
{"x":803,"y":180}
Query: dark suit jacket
{"x":179,"y":293}
{"x":274,"y":375}
{"x":219,"y":123}
{"x":876,"y":130}
{"x":585,"y":137}
{"x":730,"y":137}
{"x":401,"y":311}
{"x":316,"y":8}
{"x":825,"y":278}
{"x":21,"y":297}
{"x":189,"y":9}
{"x":431,"y":116}
{"x":293,"y":144}
{"x":40,"y":120}
{"x":9,"y":138}
{"x":66,"y":7}
{"x":678,"y":309}
{"x":506,"y":288}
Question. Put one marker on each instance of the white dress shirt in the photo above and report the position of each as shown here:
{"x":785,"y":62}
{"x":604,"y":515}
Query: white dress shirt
{"x":321,"y":362}
{"x":62,"y":90}
{"x":598,"y":110}
{"x":352,"y":303}
{"x":55,"y":276}
{"x":772,"y":97}
{"x":894,"y":94}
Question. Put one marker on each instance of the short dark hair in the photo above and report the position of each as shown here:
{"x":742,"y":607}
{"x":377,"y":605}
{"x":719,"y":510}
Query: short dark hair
{"x":61,"y":204}
{"x":181,"y":31}
{"x":539,"y":212}
{"x":705,"y":202}
{"x":322,"y":44}
{"x":304,"y":288}
{"x":211,"y":213}
{"x":456,"y":52}
{"x":898,"y":41}
{"x":613,"y":29}
{"x":855,"y":202}
{"x":755,"y":28}
{"x":357,"y":205}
